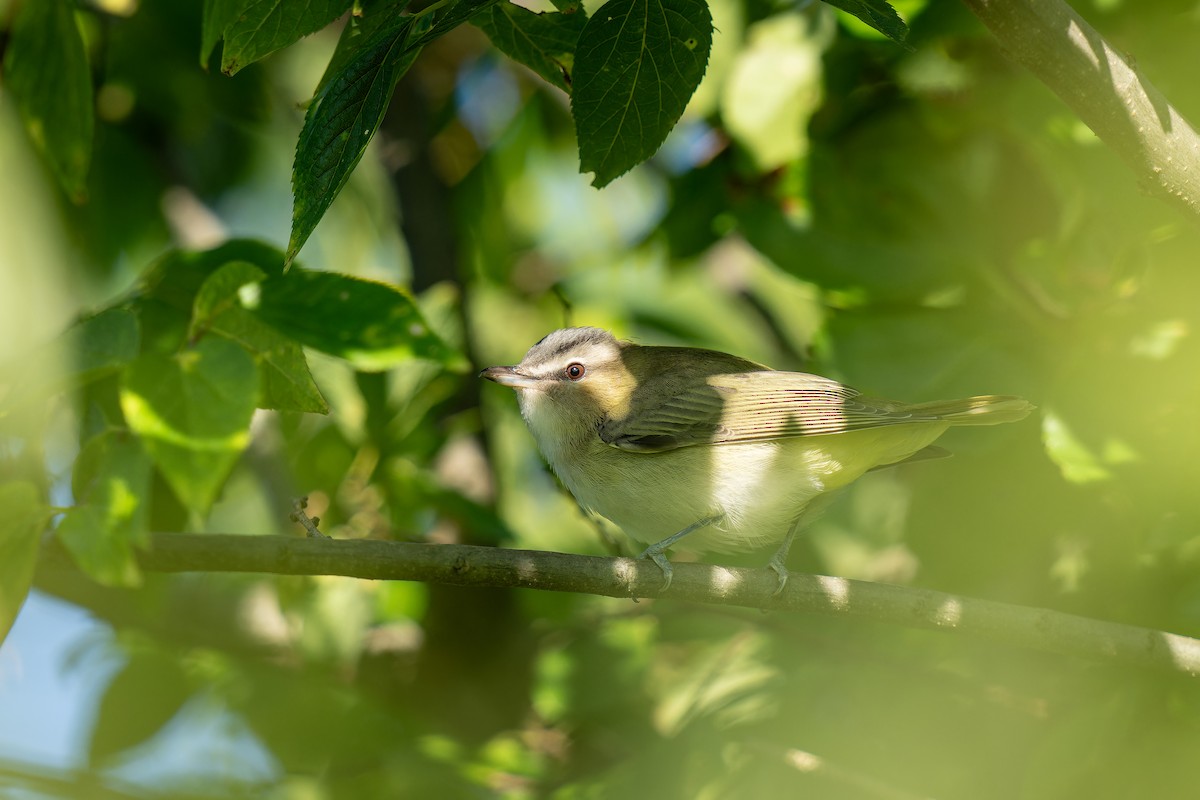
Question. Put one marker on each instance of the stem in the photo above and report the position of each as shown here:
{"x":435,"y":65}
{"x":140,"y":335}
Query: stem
{"x":1106,"y":89}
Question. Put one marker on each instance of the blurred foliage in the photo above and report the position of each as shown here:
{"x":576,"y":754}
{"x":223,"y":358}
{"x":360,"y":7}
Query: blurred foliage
{"x":922,"y":221}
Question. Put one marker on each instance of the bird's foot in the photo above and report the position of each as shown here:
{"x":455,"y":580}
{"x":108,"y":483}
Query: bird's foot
{"x":655,"y":554}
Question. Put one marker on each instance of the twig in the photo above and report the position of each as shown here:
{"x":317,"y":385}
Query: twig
{"x":1106,"y":89}
{"x":464,"y":565}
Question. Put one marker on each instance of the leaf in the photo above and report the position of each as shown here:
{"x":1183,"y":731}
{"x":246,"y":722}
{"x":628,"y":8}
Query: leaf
{"x":359,"y":29}
{"x":218,"y":15}
{"x":102,"y":344}
{"x":143,"y":697}
{"x":111,"y":484}
{"x":636,"y":66}
{"x":1074,"y":459}
{"x":47,"y":72}
{"x":192,"y":411}
{"x":221,"y":292}
{"x":261,"y":27}
{"x":449,"y":19}
{"x":287,"y":383}
{"x":341,"y":122}
{"x":543,"y":42}
{"x":89,"y":349}
{"x":878,"y":14}
{"x":372,"y":325}
{"x":24,"y":516}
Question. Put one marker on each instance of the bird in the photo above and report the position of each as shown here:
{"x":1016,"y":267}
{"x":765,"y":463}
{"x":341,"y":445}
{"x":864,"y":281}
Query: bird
{"x":709,"y":451}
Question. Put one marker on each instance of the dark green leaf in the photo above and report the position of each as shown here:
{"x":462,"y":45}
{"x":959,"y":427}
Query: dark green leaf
{"x":372,"y":325}
{"x":359,"y":29}
{"x":449,"y":19}
{"x":47,"y":72}
{"x":877,"y":13}
{"x":342,"y":120}
{"x":24,"y":516}
{"x":192,"y":411}
{"x":221,"y":292}
{"x":636,"y":66}
{"x":218,"y":15}
{"x":263,"y":26}
{"x":543,"y":42}
{"x":103,"y":343}
{"x":140,"y":701}
{"x":111,"y":484}
{"x":287,"y":383}
{"x":177,"y":277}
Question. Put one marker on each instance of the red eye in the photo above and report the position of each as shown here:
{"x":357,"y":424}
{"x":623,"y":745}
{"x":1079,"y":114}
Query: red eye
{"x":574,"y":371}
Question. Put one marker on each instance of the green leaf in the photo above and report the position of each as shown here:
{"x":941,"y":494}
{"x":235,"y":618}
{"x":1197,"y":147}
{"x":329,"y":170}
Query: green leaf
{"x":24,"y":516}
{"x":372,"y":325}
{"x":287,"y":383}
{"x":192,"y":411}
{"x":111,"y":483}
{"x":449,"y":19}
{"x":342,"y":120}
{"x":636,"y":66}
{"x":357,"y":30}
{"x":47,"y":72}
{"x":1077,"y":462}
{"x":177,"y":277}
{"x":218,"y":15}
{"x":877,"y":13}
{"x":543,"y":42}
{"x":89,"y":349}
{"x":261,"y":27}
{"x":222,"y":291}
{"x":138,"y":703}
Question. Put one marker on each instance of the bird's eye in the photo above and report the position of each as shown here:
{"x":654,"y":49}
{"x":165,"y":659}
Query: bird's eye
{"x":574,"y":371}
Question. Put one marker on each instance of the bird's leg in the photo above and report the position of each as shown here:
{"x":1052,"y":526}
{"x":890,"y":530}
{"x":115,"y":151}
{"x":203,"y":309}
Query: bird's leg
{"x":778,"y":562}
{"x":655,"y":551}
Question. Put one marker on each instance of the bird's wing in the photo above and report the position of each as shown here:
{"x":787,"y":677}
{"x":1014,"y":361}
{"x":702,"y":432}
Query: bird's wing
{"x":748,"y":407}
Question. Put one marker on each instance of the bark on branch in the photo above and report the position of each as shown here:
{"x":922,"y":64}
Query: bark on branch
{"x":1105,"y":88}
{"x":463,"y":565}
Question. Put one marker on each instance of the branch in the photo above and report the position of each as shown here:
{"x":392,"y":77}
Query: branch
{"x":1104,"y":87}
{"x":464,"y":565}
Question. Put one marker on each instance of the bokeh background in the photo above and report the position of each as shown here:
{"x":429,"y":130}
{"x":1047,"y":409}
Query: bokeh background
{"x":921,"y":223}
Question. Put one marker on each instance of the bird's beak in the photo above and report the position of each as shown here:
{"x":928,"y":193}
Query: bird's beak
{"x":509,"y":376}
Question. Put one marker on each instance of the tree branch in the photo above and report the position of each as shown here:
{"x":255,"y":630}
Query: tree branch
{"x":463,"y":565}
{"x":1104,"y":87}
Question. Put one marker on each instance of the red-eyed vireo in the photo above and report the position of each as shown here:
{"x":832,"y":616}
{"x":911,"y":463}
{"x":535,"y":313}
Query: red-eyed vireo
{"x":675,"y":442}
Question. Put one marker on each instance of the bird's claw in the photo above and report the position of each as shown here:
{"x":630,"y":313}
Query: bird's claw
{"x":778,"y":566}
{"x":658,"y":558}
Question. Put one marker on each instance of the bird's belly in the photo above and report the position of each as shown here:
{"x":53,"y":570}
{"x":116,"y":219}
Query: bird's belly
{"x":758,"y":489}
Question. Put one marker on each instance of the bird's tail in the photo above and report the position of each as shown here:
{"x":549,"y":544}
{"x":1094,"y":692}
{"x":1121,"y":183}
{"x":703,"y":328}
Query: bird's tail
{"x":986,"y":409}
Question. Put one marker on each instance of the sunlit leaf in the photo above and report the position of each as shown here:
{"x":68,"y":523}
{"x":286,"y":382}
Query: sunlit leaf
{"x":260,"y":27}
{"x":372,"y":325}
{"x":193,"y":411}
{"x":878,"y":14}
{"x":1076,"y":461}
{"x":24,"y":516}
{"x":543,"y":42}
{"x":111,"y":484}
{"x":138,"y":703}
{"x":636,"y":66}
{"x":342,"y":120}
{"x":46,"y":70}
